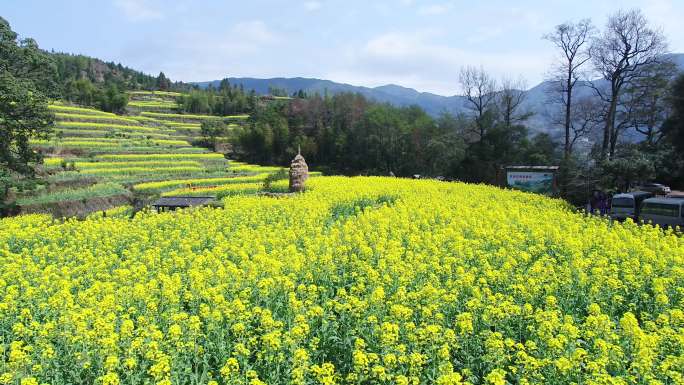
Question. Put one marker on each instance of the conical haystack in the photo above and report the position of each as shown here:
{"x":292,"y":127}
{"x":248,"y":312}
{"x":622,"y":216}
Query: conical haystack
{"x":299,"y":173}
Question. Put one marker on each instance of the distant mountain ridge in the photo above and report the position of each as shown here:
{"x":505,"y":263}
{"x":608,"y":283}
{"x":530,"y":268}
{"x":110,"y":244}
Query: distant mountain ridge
{"x":536,"y":99}
{"x":397,"y":95}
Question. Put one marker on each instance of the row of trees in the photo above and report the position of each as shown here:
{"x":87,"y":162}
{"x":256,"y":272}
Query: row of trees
{"x":629,"y":58}
{"x":225,"y":99}
{"x":627,"y":126}
{"x":27,"y":80}
{"x":347,"y":133}
{"x":609,"y":92}
{"x":91,"y":82}
{"x":613,"y":88}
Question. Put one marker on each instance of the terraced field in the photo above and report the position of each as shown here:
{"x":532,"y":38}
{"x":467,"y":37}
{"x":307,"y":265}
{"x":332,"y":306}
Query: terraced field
{"x":135,"y":158}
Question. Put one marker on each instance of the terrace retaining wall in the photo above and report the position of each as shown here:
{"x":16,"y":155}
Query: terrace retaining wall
{"x":78,"y":208}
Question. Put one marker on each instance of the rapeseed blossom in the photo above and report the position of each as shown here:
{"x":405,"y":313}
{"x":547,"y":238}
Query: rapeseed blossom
{"x":356,"y":281}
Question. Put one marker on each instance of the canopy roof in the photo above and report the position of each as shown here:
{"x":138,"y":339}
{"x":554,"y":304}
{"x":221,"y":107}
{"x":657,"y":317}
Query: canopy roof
{"x":183,"y":201}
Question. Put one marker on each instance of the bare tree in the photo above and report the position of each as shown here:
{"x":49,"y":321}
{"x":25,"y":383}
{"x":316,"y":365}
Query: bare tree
{"x":647,"y":107}
{"x":510,"y":98}
{"x":571,"y":40}
{"x":480,"y":92}
{"x":587,"y":115}
{"x":621,"y":55}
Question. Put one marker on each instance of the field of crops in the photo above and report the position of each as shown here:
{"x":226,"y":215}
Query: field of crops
{"x":95,"y":153}
{"x":161,"y":186}
{"x":96,"y":190}
{"x":164,"y":94}
{"x":190,"y":117}
{"x":356,"y":281}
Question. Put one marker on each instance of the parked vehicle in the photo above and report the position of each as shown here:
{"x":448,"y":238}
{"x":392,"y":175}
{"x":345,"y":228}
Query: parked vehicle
{"x":666,"y":212}
{"x":656,"y":188}
{"x":627,"y":205}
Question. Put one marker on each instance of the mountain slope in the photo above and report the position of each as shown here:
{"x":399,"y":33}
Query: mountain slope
{"x":394,"y":94}
{"x":537,"y":97}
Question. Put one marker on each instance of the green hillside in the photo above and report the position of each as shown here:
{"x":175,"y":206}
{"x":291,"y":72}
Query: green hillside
{"x":109,"y":159}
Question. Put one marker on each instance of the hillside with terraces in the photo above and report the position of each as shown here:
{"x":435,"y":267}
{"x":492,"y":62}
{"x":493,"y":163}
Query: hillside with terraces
{"x":108,"y":164}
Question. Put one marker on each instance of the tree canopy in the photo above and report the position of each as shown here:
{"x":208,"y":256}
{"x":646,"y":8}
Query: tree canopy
{"x":25,"y":84}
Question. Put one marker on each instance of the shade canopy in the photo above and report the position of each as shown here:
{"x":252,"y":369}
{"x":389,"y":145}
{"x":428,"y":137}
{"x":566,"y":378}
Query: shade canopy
{"x":182,"y":201}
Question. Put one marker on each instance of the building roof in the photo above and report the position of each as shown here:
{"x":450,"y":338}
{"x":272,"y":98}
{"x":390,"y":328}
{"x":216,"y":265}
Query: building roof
{"x":183,"y":201}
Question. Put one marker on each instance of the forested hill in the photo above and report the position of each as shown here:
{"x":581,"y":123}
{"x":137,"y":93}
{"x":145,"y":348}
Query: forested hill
{"x":433,"y":104}
{"x":394,"y":94}
{"x":80,"y":67}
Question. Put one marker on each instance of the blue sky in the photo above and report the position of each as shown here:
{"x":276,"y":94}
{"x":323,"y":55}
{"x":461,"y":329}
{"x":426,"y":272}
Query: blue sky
{"x":413,"y":43}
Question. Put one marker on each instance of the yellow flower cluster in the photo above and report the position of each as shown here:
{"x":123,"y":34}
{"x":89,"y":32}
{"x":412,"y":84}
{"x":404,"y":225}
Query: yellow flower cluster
{"x":118,"y":211}
{"x":148,"y":157}
{"x":110,"y":118}
{"x":103,"y":126}
{"x":81,"y":165}
{"x":78,"y":110}
{"x":356,"y":281}
{"x":160,"y":115}
{"x":108,"y":142}
{"x":226,"y":189}
{"x":252,"y":168}
{"x":152,"y":187}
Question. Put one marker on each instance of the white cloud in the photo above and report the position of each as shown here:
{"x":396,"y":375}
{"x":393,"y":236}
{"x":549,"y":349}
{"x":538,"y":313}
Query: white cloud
{"x":418,"y":59}
{"x":668,"y":14}
{"x":254,"y":31}
{"x":139,"y":10}
{"x":482,"y":35}
{"x":248,"y":48}
{"x":312,"y":5}
{"x":435,"y":9}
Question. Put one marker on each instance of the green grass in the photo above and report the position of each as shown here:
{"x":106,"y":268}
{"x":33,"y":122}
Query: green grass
{"x":181,"y":124}
{"x":49,"y":162}
{"x":64,"y":109}
{"x":188,"y":131}
{"x":67,"y":176}
{"x":82,"y":165}
{"x":227,"y":190}
{"x":156,"y":187}
{"x":219,"y":191}
{"x":178,"y":170}
{"x":105,"y":126}
{"x":153,"y":104}
{"x":151,"y":93}
{"x":134,"y":157}
{"x":121,"y":150}
{"x":76,"y":133}
{"x":96,"y":190}
{"x":94,"y":118}
{"x":115,"y":212}
{"x":181,"y":117}
{"x":188,"y":150}
{"x":147,"y":119}
{"x":250,"y":168}
{"x":207,"y":165}
{"x":107,"y":142}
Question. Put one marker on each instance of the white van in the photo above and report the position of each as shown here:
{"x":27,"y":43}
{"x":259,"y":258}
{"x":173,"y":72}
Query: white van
{"x":666,"y":212}
{"x":623,"y":206}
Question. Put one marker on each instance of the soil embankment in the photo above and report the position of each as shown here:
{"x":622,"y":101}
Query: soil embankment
{"x":77,"y":208}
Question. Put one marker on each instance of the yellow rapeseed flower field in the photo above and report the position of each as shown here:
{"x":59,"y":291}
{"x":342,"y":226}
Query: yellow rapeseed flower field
{"x":356,"y":281}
